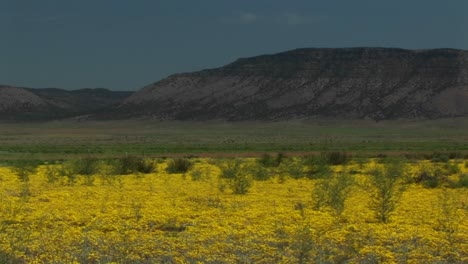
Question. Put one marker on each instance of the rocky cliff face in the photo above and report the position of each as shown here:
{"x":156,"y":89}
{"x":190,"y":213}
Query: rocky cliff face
{"x":376,"y":83}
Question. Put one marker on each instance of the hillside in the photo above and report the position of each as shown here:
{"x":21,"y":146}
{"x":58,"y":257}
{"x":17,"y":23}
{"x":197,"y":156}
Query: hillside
{"x":350,"y":83}
{"x":27,"y":104}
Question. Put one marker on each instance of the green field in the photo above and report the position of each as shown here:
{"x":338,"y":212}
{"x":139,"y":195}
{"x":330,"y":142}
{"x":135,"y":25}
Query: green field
{"x":63,"y":139}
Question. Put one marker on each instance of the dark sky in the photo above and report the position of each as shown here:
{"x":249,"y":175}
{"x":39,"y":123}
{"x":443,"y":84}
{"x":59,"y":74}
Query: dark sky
{"x":124,"y":45}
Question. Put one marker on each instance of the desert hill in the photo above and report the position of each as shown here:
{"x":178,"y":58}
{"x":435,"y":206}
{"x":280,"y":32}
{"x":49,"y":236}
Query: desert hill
{"x":353,"y":83}
{"x":310,"y":83}
{"x":28,"y":104}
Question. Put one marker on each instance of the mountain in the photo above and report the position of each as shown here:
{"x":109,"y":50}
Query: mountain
{"x":50,"y":103}
{"x":353,"y":83}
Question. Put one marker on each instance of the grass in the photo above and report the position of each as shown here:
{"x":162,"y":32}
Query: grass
{"x":63,"y":139}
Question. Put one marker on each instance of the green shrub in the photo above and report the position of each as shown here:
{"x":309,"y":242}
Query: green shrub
{"x":439,"y":157}
{"x":67,"y":170}
{"x":451,"y":168}
{"x":463,"y":181}
{"x":130,"y":164}
{"x":200,"y":174}
{"x":268,"y":161}
{"x":333,"y":192}
{"x":259,"y":173}
{"x":196,"y":175}
{"x":317,"y":167}
{"x":179,"y":165}
{"x":241,"y":183}
{"x":336,"y":158}
{"x":237,"y":177}
{"x":293,"y":167}
{"x":431,"y":182}
{"x":24,"y":168}
{"x":52,"y":173}
{"x":230,"y":169}
{"x":84,"y":166}
{"x":430,"y":177}
{"x":146,"y":166}
{"x":386,"y":185}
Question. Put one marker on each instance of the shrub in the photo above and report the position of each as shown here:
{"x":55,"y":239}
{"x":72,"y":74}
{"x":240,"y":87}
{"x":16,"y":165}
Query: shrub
{"x":230,"y":169}
{"x":52,"y":173}
{"x":9,"y":258}
{"x":67,"y":170}
{"x":317,"y":167}
{"x":259,"y":173}
{"x":179,"y":165}
{"x":237,"y":177}
{"x":386,"y":188}
{"x":439,"y":157}
{"x":431,"y":182}
{"x":336,"y":158}
{"x":24,"y":168}
{"x":293,"y":167}
{"x":430,"y":177}
{"x":200,"y":173}
{"x":196,"y":175}
{"x":83,"y":166}
{"x":268,"y":161}
{"x":463,"y":181}
{"x":241,"y":183}
{"x":451,"y":168}
{"x":145,"y":166}
{"x":132,"y":164}
{"x":333,"y":192}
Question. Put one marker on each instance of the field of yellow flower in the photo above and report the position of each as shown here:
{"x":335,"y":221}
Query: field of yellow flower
{"x":196,"y":218}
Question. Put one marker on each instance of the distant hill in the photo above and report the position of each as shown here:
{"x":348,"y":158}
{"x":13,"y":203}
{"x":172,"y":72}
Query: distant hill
{"x":312,"y":83}
{"x":26,"y":104}
{"x":353,"y":83}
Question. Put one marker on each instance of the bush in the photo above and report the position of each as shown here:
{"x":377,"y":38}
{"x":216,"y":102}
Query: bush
{"x":241,"y":183}
{"x":386,"y":188}
{"x":83,"y":166}
{"x":196,"y":175}
{"x":24,"y":168}
{"x":439,"y":157}
{"x":259,"y":173}
{"x":317,"y":167}
{"x":451,"y":168}
{"x":333,"y":192}
{"x":200,"y":174}
{"x":268,"y":161}
{"x":236,"y":176}
{"x":336,"y":158}
{"x":132,"y":164}
{"x":293,"y":167}
{"x":179,"y":165}
{"x":463,"y":181}
{"x":431,"y":182}
{"x":230,"y":169}
{"x":431,"y":177}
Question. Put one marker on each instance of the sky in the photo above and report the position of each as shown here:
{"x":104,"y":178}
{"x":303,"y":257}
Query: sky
{"x":125,"y":45}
